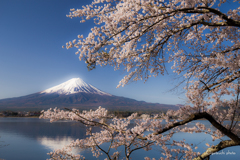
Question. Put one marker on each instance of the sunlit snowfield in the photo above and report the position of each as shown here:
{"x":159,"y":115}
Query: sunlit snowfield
{"x":33,"y":138}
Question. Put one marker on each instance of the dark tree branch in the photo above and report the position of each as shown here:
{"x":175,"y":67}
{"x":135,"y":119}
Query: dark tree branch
{"x":208,"y":117}
{"x":216,"y":148}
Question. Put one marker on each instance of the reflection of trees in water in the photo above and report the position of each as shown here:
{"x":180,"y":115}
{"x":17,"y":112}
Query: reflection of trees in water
{"x":35,"y":128}
{"x":2,"y":144}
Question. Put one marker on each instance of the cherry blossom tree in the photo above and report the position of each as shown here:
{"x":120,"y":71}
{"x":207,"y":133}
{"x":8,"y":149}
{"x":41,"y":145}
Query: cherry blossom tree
{"x":200,"y":38}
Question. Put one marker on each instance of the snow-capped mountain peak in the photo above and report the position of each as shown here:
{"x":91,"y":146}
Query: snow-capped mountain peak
{"x":72,"y":86}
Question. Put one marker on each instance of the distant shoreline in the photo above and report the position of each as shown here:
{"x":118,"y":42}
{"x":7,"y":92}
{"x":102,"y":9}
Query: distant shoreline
{"x":19,"y":117}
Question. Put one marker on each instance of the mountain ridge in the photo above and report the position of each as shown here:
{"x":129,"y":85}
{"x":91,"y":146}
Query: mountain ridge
{"x":75,"y":93}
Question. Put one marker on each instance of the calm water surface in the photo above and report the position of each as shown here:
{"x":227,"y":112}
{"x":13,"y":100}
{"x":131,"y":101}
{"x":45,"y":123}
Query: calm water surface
{"x":33,"y":138}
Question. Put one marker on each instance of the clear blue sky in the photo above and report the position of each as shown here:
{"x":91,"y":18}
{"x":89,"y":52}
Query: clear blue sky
{"x":32,"y":33}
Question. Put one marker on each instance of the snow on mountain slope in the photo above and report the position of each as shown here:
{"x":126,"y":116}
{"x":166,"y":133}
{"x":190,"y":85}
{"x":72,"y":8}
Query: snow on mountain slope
{"x":74,"y":85}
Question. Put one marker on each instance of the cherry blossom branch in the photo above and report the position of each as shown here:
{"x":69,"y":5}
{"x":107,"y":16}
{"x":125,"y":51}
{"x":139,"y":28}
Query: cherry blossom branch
{"x":197,"y":116}
{"x":107,"y":153}
{"x":236,"y":105}
{"x":200,"y":40}
{"x":95,"y":122}
{"x":227,"y":79}
{"x":216,"y":148}
{"x":230,"y":22}
{"x":148,"y":143}
{"x":192,"y":117}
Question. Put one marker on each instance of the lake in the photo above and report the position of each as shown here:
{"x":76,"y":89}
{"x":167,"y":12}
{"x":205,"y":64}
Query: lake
{"x":33,"y":138}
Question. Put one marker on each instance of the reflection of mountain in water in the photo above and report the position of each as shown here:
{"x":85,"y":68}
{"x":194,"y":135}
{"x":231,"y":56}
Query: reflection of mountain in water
{"x":33,"y":138}
{"x":57,"y":143}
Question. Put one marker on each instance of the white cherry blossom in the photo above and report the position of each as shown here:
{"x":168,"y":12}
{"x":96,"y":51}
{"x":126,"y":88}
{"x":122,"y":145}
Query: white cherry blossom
{"x":200,"y":39}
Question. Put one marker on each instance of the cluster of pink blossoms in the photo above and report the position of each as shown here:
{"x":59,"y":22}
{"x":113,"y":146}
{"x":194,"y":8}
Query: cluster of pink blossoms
{"x":200,"y":38}
{"x":116,"y":132}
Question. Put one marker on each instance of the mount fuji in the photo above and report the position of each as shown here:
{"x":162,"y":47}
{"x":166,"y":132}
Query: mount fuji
{"x":75,"y":93}
{"x":73,"y":86}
